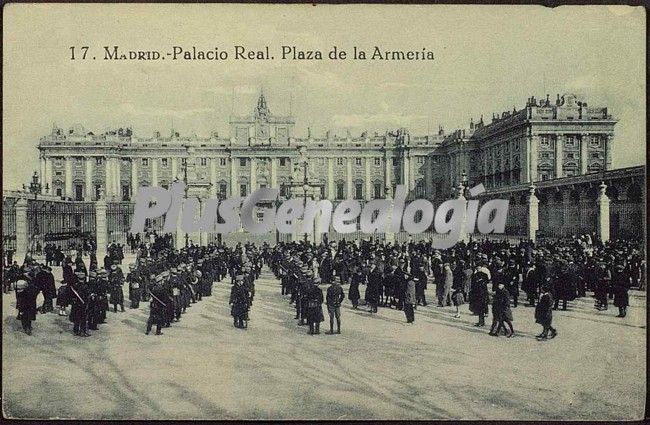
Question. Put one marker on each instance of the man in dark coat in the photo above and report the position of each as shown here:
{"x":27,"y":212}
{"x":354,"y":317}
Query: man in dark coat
{"x":621,"y":282}
{"x":116,"y":280}
{"x":239,"y":302}
{"x":26,"y":292}
{"x":135,"y":286}
{"x":501,"y":312}
{"x":358,"y":278}
{"x":410,"y":300}
{"x":314,"y":307}
{"x":544,"y":313}
{"x":530,"y":284}
{"x":512,"y":281}
{"x":45,"y":282}
{"x":479,"y":296}
{"x":335,"y":297}
{"x":157,"y":306}
{"x":79,"y":300}
{"x":374,"y":287}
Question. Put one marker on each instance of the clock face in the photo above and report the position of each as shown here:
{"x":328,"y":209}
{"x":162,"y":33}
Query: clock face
{"x":263,"y":131}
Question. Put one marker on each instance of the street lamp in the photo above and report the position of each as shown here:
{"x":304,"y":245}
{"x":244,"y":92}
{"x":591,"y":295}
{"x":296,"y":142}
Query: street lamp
{"x":35,"y":186}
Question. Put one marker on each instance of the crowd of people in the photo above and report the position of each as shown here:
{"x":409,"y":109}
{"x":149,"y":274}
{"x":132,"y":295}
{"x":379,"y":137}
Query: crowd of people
{"x":482,"y":274}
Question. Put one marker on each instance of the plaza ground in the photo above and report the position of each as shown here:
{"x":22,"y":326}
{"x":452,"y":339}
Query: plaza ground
{"x":379,"y":367}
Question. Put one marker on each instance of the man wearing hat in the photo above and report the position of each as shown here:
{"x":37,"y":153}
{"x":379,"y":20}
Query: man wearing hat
{"x":239,"y":302}
{"x":79,"y":301}
{"x":511,"y":274}
{"x":335,"y":297}
{"x":94,"y":308}
{"x":135,"y":285}
{"x":26,"y":293}
{"x":45,"y":282}
{"x":102,"y":294}
{"x":156,"y":306}
{"x":621,"y":283}
{"x":544,"y":313}
{"x":116,"y":280}
{"x":314,"y":300}
{"x":479,"y":296}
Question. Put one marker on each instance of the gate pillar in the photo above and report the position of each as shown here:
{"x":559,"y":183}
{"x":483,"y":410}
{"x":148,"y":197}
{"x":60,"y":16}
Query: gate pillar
{"x":101,"y":228}
{"x":22,"y":229}
{"x":603,"y":213}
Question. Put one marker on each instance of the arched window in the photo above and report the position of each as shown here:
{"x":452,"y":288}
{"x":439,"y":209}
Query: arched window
{"x":358,"y":189}
{"x":340,"y":189}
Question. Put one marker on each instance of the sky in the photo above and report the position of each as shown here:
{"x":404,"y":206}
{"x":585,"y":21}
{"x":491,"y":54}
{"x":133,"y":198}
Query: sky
{"x":488,"y":59}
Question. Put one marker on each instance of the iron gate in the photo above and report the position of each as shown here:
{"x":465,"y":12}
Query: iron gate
{"x":9,"y":224}
{"x":70,"y":225}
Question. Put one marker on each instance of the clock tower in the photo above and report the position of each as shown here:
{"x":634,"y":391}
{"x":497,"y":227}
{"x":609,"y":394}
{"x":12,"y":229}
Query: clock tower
{"x":262,"y":115}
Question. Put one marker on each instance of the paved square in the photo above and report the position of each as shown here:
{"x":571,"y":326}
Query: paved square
{"x":379,"y":367}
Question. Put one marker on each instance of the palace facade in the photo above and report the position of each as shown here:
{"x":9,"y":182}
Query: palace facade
{"x":544,"y":140}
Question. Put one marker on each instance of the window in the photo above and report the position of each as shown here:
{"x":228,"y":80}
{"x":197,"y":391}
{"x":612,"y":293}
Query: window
{"x":321,"y":161}
{"x":145,"y":162}
{"x":59,"y":192}
{"x":570,"y":155}
{"x":242,"y":162}
{"x":183,"y":161}
{"x":283,"y":162}
{"x":78,"y":162}
{"x":545,"y":141}
{"x":595,"y":155}
{"x":420,"y":160}
{"x":339,"y":161}
{"x":570,"y":142}
{"x":222,"y":161}
{"x":223,"y":189}
{"x":377,"y":161}
{"x":203,"y":162}
{"x":357,"y":161}
{"x":58,"y":173}
{"x":395,"y":161}
{"x":594,"y":141}
{"x":544,"y":155}
{"x":339,"y":190}
{"x":164,"y":162}
{"x":98,"y":191}
{"x":243,"y":190}
{"x":98,"y":161}
{"x":358,"y":190}
{"x":377,"y":190}
{"x":125,"y":192}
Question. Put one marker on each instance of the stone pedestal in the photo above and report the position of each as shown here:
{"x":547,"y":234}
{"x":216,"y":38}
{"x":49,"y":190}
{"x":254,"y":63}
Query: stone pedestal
{"x":533,"y":214}
{"x":101,"y":228}
{"x":463,"y":235}
{"x":602,"y":226}
{"x":22,"y":229}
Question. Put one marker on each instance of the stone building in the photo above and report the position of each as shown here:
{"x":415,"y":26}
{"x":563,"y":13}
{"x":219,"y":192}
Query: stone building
{"x":262,"y":151}
{"x":544,"y":140}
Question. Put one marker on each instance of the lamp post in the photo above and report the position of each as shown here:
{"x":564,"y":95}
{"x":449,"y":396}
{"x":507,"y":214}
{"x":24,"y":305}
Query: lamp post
{"x":35,"y":188}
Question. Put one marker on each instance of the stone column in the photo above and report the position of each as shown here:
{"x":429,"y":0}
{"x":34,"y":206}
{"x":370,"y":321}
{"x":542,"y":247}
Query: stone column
{"x":213,"y":177}
{"x":534,"y":145}
{"x":175,"y":169}
{"x":388,"y":184}
{"x":608,"y":151}
{"x":405,"y":173}
{"x":331,"y":190}
{"x":368,"y":188}
{"x":533,"y":214}
{"x":274,"y":173}
{"x":233,"y":177}
{"x":463,"y":236}
{"x":108,"y":187}
{"x":203,"y":235}
{"x":411,"y":171}
{"x":253,"y":175}
{"x":348,"y":176}
{"x":22,"y":230}
{"x":584,"y":143}
{"x":101,"y":227}
{"x":559,"y":155}
{"x":154,"y":171}
{"x":41,"y":170}
{"x":68,"y":177}
{"x":116,"y":178}
{"x":88,"y":193}
{"x":603,"y":213}
{"x":134,"y":178}
{"x":48,"y":175}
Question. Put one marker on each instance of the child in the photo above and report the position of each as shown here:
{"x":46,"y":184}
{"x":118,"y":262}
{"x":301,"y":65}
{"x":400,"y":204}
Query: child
{"x":62,"y":298}
{"x":458,"y":299}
